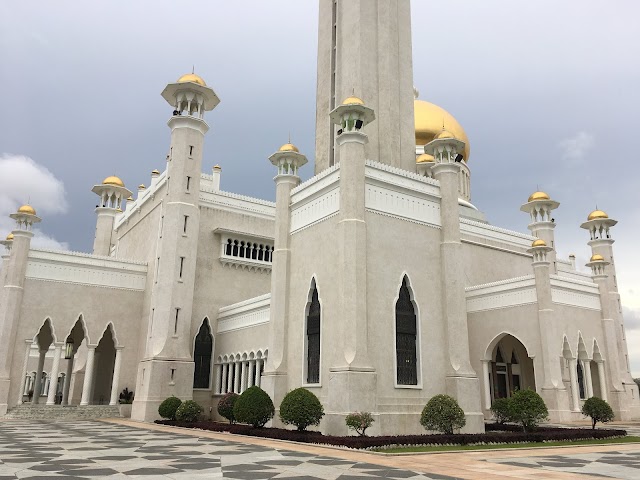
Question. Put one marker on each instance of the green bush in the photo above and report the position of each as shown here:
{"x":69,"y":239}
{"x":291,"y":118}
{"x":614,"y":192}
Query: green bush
{"x":359,"y":422}
{"x":301,"y":408}
{"x":167,"y":409}
{"x":189,"y":411}
{"x":599,"y":411}
{"x":225,"y":406}
{"x":527,"y":408}
{"x":254,"y":407}
{"x":443,"y":414}
{"x":500,"y":409}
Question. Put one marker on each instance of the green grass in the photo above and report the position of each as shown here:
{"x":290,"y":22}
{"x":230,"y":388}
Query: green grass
{"x":445,"y":448}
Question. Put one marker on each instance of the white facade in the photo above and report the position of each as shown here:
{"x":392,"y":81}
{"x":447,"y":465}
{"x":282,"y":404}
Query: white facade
{"x":376,"y":284}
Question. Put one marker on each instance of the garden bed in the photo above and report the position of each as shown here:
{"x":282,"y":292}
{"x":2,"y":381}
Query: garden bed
{"x":496,"y":434}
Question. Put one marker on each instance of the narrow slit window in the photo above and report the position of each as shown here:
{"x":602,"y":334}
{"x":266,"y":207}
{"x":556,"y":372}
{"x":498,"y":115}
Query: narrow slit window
{"x":184,"y":227}
{"x":181,"y":265}
{"x":190,"y":150}
{"x":157,"y":269}
{"x":175,"y":325}
{"x":188,"y":183}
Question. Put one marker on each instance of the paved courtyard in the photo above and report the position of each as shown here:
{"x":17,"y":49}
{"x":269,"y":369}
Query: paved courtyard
{"x":120,"y":449}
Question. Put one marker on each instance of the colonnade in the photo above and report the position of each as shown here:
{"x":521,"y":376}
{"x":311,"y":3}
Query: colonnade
{"x":236,"y":375}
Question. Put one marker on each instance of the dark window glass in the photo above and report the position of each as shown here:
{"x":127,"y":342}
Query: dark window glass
{"x":202,"y":357}
{"x":313,"y":339}
{"x":581,"y":380}
{"x":406,"y":336}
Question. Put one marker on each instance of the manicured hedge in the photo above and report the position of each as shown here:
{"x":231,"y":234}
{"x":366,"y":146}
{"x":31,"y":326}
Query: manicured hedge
{"x":541,"y":434}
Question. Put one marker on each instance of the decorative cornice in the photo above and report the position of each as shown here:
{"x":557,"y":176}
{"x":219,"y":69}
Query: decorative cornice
{"x":83,"y":284}
{"x":404,"y":219}
{"x":488,"y":226}
{"x":86,"y":255}
{"x":245,"y":264}
{"x":315,"y":178}
{"x":401,"y":172}
{"x":500,"y":282}
{"x":236,"y":196}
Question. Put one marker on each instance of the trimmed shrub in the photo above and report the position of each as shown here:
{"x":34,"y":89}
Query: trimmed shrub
{"x":189,"y":411}
{"x":443,"y":414}
{"x":359,"y":422}
{"x":500,"y":410}
{"x":598,"y":409}
{"x":225,"y":406}
{"x":301,"y":408}
{"x":126,"y":397}
{"x":254,"y":407}
{"x":168,"y":407}
{"x":527,"y":408}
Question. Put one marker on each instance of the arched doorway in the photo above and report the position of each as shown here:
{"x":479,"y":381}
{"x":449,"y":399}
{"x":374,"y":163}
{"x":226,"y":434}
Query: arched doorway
{"x":105,"y":357}
{"x":74,"y":363}
{"x":510,"y":368}
{"x":202,"y":352}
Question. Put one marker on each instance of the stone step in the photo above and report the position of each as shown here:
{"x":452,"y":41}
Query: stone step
{"x":54,"y":412}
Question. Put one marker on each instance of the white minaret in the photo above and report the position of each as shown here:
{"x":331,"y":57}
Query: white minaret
{"x":288,"y":161}
{"x":12,"y":293}
{"x":461,"y":380}
{"x":111,"y":192}
{"x":364,"y":48}
{"x":604,"y":274}
{"x":539,"y":207}
{"x":168,"y":366}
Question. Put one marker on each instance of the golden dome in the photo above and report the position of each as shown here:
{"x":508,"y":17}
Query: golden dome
{"x":155,"y":172}
{"x":288,"y":147}
{"x":597,"y":214}
{"x":538,"y":242}
{"x":538,"y":196}
{"x":217,"y":167}
{"x":425,"y":158}
{"x":130,"y":199}
{"x":10,"y":237}
{"x":597,"y":258}
{"x":428,"y":124}
{"x":141,"y":186}
{"x":193,"y":78}
{"x":113,"y":180}
{"x":27,"y":209}
{"x":353,"y":100}
{"x":445,"y":134}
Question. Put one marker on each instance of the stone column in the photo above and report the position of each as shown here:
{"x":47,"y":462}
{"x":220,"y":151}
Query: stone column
{"x":236,"y":377}
{"x":602,"y":381}
{"x":53,"y":377}
{"x":67,"y":381}
{"x":218,"y":386}
{"x":586,"y":368}
{"x":224,"y":381}
{"x":25,"y":364}
{"x":487,"y":384}
{"x":243,"y":376}
{"x":87,"y":386}
{"x":37,"y":388}
{"x":115,"y":383}
{"x":252,"y":373}
{"x":573,"y":376}
{"x":259,"y":364}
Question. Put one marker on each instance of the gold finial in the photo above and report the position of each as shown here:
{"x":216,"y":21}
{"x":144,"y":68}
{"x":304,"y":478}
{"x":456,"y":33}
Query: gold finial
{"x":193,"y":69}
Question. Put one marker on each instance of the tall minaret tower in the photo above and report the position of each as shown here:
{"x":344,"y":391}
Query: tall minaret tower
{"x":364,"y":49}
{"x":111,"y":192}
{"x":167,"y":368}
{"x":539,"y":206}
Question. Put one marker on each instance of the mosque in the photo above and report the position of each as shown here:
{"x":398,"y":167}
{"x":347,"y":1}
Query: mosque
{"x":376,"y":284}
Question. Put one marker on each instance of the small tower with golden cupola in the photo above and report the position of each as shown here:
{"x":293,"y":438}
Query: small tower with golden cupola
{"x":540,"y":206}
{"x":112,"y":193}
{"x":13,"y":291}
{"x":167,"y":368}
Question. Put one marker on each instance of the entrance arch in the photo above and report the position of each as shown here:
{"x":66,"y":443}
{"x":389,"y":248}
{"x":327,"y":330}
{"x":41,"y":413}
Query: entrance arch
{"x":105,"y":357}
{"x":508,"y":368}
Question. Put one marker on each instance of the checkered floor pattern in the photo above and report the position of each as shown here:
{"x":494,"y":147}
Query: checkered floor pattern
{"x":622,"y":465}
{"x":90,"y":449}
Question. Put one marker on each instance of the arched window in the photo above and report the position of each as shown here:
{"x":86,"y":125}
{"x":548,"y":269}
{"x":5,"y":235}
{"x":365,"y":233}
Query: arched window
{"x":406,"y":337}
{"x":580,"y":373}
{"x":313,"y":338}
{"x":202,"y":356}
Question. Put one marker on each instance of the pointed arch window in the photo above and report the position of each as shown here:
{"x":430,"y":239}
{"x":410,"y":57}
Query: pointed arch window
{"x":406,"y":338}
{"x":313,"y":338}
{"x":580,"y":374}
{"x":202,"y":356}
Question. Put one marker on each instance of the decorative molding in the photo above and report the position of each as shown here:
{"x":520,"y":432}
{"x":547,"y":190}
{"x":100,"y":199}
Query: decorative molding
{"x":136,"y":205}
{"x":575,"y":293}
{"x":88,"y":270}
{"x":401,"y":172}
{"x":315,"y":209}
{"x":413,"y":207}
{"x":45,"y":253}
{"x":232,"y":202}
{"x":503,"y":235}
{"x":315,"y":179}
{"x":249,"y":313}
{"x":245,"y":264}
{"x":502,"y":294}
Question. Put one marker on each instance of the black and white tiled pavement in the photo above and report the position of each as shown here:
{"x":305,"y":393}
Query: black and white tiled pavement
{"x":610,"y":464}
{"x":90,"y":449}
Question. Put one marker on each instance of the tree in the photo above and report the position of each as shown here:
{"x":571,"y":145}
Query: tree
{"x":443,"y":414}
{"x":359,"y":422}
{"x":301,"y":408}
{"x":254,"y":407}
{"x":500,"y":410}
{"x":527,"y":408}
{"x":599,"y":411}
{"x":226,"y":404}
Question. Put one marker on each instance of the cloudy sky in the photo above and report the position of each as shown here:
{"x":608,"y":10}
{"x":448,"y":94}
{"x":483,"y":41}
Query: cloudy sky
{"x":547,"y":92}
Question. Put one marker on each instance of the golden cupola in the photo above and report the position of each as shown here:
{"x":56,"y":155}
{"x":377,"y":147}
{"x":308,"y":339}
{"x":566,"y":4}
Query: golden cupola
{"x":193,"y":78}
{"x":538,"y":196}
{"x":27,"y":210}
{"x":288,"y":147}
{"x":597,"y":215}
{"x":113,"y":180}
{"x":429,"y":119}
